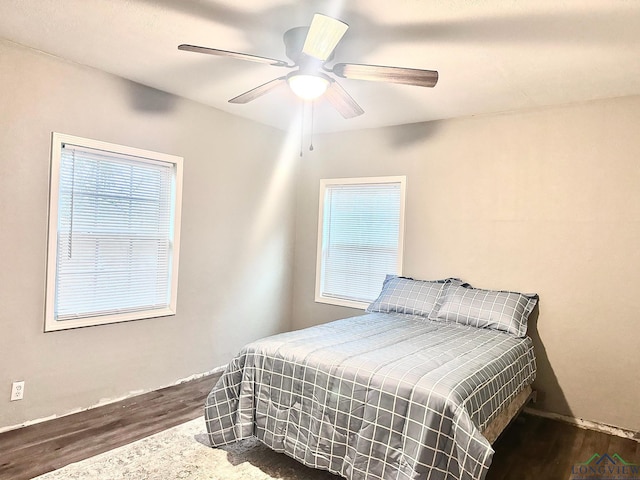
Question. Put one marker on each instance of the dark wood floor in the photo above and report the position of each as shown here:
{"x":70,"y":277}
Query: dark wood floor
{"x":536,"y":448}
{"x":531,"y":448}
{"x":31,"y":451}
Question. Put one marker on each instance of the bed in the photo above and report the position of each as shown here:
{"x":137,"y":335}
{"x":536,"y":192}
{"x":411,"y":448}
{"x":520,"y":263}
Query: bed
{"x":418,"y":387}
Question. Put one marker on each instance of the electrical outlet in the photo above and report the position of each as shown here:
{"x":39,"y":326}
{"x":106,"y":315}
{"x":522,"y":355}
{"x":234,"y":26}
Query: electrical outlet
{"x":17,"y":390}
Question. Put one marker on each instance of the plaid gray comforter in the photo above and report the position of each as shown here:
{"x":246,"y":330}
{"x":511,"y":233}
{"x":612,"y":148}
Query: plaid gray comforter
{"x":380,"y":396}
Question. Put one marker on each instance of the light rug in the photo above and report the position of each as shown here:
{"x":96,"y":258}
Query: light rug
{"x":179,"y":453}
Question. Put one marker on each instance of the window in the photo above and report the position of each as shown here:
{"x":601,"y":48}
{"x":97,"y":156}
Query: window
{"x":360,"y":238}
{"x":114,"y":230}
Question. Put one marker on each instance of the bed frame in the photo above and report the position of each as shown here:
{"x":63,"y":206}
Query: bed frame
{"x":509,"y":414}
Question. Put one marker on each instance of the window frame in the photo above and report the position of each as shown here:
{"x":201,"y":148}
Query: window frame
{"x":324,"y":183}
{"x":58,"y":140}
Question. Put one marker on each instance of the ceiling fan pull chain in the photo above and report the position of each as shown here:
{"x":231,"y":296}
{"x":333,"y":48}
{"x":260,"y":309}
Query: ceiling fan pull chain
{"x":313,"y":103}
{"x":301,"y":128}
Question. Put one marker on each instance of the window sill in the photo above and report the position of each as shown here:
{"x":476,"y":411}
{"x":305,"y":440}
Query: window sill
{"x":342,"y":302}
{"x":52,"y":325}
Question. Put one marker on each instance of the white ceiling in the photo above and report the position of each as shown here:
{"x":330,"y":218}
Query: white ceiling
{"x":492,"y":55}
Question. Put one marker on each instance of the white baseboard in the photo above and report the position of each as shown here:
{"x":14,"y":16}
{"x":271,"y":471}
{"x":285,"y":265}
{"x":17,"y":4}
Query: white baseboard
{"x":586,"y":424}
{"x":107,"y":401}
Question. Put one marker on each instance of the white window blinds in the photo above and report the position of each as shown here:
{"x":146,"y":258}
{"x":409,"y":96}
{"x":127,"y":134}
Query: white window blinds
{"x":115,"y":233}
{"x":360,"y":238}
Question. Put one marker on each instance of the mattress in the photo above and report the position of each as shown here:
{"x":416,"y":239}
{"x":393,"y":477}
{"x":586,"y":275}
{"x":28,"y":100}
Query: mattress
{"x":379,"y":396}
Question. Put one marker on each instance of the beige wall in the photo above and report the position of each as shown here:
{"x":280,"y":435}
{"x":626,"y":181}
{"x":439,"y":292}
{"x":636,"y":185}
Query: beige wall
{"x":237,"y":232}
{"x":545,"y":201}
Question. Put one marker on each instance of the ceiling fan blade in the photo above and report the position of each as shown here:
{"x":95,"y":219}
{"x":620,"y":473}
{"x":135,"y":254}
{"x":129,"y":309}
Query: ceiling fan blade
{"x":342,"y":101}
{"x":254,"y":93}
{"x":378,"y":73}
{"x":323,"y":36}
{"x":241,"y":56}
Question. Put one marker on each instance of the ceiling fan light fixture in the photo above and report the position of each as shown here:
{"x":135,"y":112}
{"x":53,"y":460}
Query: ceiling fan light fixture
{"x":308,"y":86}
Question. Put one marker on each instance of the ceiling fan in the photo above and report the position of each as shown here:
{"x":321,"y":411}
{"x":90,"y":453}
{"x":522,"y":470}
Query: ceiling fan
{"x":310,"y":49}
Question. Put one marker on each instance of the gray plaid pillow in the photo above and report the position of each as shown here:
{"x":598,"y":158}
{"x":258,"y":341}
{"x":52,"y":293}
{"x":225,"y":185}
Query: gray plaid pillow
{"x":406,"y":295}
{"x":499,"y":310}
